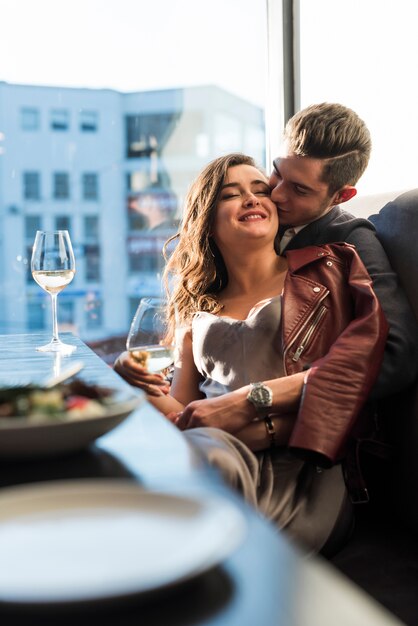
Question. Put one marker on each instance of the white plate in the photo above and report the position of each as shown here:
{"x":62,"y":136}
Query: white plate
{"x":84,"y":541}
{"x":20,"y":438}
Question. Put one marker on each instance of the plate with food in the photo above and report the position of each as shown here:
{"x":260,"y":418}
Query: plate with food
{"x":39,"y":421}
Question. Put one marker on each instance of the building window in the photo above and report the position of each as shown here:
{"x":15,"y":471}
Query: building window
{"x":88,"y":121}
{"x":90,"y":184}
{"x":145,"y":252}
{"x":35,"y":312}
{"x":227,"y":133}
{"x":92,"y":263}
{"x":94,"y":312}
{"x":66,"y":312}
{"x":137,"y":181}
{"x":31,"y":185}
{"x":29,"y":119}
{"x":132,"y":308}
{"x":61,"y":185}
{"x":27,"y":260}
{"x":63,"y":222}
{"x":32,"y":224}
{"x":91,"y":228}
{"x":136,"y":221}
{"x":147,"y":134}
{"x":60,"y":119}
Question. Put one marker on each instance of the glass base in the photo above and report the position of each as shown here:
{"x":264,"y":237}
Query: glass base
{"x":57,"y":346}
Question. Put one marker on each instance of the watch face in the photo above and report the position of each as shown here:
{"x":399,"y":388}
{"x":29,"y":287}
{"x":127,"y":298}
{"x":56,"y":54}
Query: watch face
{"x":261,"y":395}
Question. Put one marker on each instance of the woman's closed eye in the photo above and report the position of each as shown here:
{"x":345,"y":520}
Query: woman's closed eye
{"x":227,"y":196}
{"x":261,"y":189}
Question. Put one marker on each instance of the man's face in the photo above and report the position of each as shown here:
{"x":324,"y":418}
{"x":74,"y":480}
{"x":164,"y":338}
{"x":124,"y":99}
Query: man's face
{"x":298,"y":191}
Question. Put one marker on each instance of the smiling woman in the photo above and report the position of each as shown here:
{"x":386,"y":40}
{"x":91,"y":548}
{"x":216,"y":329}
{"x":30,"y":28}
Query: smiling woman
{"x":244,"y":199}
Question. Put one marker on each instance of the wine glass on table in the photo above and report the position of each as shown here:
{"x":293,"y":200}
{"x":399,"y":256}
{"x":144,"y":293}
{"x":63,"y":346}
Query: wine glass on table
{"x":53,"y":268}
{"x":147,"y":340}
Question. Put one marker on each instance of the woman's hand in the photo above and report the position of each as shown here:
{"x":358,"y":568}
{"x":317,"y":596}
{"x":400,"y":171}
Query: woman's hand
{"x":138,"y":376}
{"x":230,"y":412}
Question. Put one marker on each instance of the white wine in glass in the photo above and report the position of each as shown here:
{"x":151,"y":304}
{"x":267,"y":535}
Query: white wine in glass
{"x":53,"y":268}
{"x":147,"y":337}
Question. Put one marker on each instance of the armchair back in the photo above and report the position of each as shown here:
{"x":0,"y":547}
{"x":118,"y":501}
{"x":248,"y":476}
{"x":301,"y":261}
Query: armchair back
{"x":397,"y":229}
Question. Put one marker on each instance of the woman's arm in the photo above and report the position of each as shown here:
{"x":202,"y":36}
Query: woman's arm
{"x":232,"y":412}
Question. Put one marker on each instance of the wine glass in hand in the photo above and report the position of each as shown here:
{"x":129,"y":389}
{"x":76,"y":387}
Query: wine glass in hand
{"x":146,"y":340}
{"x":53,"y":268}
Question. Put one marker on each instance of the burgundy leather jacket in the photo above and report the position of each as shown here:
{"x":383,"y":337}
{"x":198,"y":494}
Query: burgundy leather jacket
{"x":332,"y":326}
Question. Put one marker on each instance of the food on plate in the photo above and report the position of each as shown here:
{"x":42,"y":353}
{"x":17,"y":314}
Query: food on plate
{"x":75,"y":399}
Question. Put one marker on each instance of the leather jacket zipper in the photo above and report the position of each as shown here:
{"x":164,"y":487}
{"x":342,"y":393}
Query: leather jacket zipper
{"x":306,"y":338}
{"x":317,"y":311}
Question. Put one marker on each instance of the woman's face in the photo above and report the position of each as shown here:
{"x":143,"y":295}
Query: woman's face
{"x":244,"y":212}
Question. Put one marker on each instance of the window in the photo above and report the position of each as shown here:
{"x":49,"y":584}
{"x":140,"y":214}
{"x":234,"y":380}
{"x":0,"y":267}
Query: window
{"x":29,"y":119}
{"x":35,"y":313}
{"x":31,"y":185}
{"x":90,"y":185}
{"x":147,"y":262}
{"x":91,"y":228}
{"x":92,"y":262}
{"x":132,"y":307}
{"x":32,"y":224}
{"x":147,"y":134}
{"x":228,"y":133}
{"x":63,"y":222}
{"x":136,"y":221}
{"x":66,"y":316}
{"x":120,"y":139}
{"x":88,"y":121}
{"x":61,"y":186}
{"x":27,"y":259}
{"x":381,"y":89}
{"x":137,"y":180}
{"x":60,"y":119}
{"x":93,"y":312}
{"x":145,"y":252}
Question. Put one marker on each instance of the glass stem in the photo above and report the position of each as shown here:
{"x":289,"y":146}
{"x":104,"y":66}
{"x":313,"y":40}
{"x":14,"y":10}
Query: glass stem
{"x":55,"y":337}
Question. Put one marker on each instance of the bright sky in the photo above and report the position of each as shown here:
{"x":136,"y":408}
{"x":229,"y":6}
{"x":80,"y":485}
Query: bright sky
{"x":362,"y":53}
{"x":132,"y":45}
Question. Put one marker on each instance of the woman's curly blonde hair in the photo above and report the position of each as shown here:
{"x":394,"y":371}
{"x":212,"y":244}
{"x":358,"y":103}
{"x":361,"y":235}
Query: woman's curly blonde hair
{"x":195,"y":271}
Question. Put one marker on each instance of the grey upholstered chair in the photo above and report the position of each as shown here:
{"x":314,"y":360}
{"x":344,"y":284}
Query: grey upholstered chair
{"x":382,"y":555}
{"x":397,"y":228}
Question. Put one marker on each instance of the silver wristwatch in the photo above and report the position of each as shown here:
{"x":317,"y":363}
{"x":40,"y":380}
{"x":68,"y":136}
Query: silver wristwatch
{"x":261,"y":397}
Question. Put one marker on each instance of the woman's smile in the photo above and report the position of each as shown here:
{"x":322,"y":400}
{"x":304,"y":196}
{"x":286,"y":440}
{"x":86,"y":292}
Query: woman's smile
{"x":253,"y":216}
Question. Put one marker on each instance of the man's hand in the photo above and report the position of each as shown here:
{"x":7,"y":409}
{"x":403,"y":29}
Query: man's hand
{"x":230,"y":412}
{"x":138,"y":376}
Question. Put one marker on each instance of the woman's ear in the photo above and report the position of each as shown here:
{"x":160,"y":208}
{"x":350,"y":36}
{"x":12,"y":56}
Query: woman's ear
{"x":344,"y":194}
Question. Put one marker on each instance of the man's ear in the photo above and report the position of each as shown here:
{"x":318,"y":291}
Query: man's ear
{"x":344,"y":194}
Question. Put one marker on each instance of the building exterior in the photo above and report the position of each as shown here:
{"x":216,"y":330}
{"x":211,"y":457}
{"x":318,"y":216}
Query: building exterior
{"x":112,"y":168}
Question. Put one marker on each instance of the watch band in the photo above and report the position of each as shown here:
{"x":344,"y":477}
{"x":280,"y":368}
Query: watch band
{"x":271,"y":431}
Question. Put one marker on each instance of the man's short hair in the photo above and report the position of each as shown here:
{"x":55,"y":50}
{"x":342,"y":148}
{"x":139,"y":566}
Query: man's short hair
{"x":337,"y":135}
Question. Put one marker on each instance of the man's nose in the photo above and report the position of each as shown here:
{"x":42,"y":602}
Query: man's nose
{"x":278,"y":192}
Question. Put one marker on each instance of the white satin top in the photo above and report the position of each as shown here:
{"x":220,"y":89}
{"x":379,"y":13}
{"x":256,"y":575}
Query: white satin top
{"x":231,"y":353}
